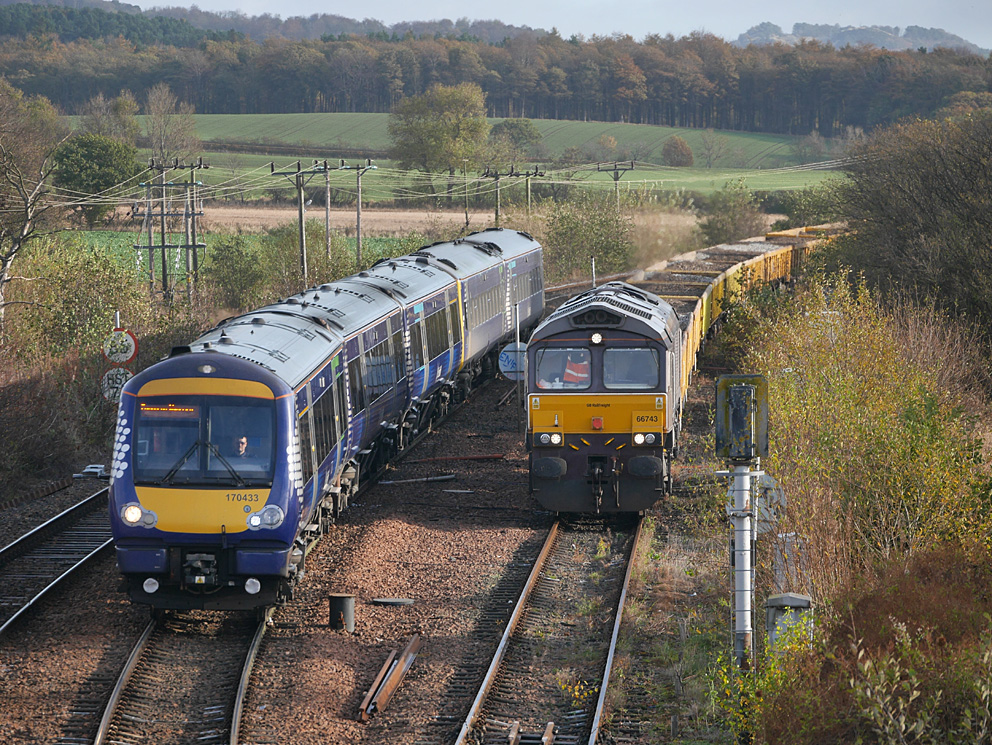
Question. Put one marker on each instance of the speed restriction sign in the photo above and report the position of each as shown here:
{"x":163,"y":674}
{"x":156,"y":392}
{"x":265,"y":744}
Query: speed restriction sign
{"x":113,"y":382}
{"x":120,"y":347}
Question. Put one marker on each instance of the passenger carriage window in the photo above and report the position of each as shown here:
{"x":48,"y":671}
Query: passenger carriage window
{"x":378,"y":370}
{"x":417,"y":345}
{"x":437,"y":334}
{"x":456,"y":325}
{"x":323,"y":417}
{"x":355,"y":384}
{"x":399,"y":363}
{"x":563,"y":368}
{"x":306,"y":443}
{"x":631,"y":369}
{"x":318,"y":428}
{"x":340,"y":416}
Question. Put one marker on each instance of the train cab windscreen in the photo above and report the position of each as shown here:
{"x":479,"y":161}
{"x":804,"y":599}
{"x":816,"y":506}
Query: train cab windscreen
{"x":563,"y":368}
{"x":204,"y":441}
{"x":631,"y":369}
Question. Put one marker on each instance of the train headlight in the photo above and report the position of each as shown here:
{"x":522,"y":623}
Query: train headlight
{"x":150,"y":585}
{"x":646,"y":438}
{"x":596,"y":338}
{"x":131,"y":514}
{"x":546,"y":439}
{"x":639,"y":438}
{"x":134,"y":514}
{"x":252,"y":586}
{"x":649,"y":438}
{"x":270,"y":516}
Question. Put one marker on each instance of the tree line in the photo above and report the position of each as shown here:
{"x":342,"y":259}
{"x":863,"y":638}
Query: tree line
{"x":68,"y":24}
{"x":697,"y":81}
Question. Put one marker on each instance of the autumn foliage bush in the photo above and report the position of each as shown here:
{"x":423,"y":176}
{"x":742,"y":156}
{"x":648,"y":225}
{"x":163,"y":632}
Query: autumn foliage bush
{"x":877,"y":436}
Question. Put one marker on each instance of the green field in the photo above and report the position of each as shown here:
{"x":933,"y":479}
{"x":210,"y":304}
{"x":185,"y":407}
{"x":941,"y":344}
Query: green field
{"x":329,"y":132}
{"x":766,"y":162}
{"x":368,"y":132}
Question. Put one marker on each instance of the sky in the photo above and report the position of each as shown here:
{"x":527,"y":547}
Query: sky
{"x":969,"y":19}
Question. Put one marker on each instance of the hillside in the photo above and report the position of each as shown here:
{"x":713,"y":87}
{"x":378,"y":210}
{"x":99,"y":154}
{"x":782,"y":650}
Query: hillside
{"x":325,"y":25}
{"x":883,"y":37}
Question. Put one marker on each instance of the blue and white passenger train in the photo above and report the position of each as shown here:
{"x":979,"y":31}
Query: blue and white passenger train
{"x":236,"y":450}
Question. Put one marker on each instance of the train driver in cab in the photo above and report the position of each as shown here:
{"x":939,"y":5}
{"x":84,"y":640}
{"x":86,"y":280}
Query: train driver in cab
{"x":564,"y":368}
{"x":241,"y":447}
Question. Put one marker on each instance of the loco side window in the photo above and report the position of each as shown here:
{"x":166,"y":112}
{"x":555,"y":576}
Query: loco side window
{"x":631,"y":369}
{"x":563,"y":368}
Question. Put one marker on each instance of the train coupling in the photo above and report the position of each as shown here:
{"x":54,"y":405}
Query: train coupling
{"x":200,"y":570}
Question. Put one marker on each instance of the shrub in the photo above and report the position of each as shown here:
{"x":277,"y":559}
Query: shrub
{"x":237,"y":268}
{"x":873,"y":437}
{"x":589,"y":225}
{"x":51,"y":403}
{"x":676,"y":152}
{"x":919,"y":200}
{"x":733,"y":214}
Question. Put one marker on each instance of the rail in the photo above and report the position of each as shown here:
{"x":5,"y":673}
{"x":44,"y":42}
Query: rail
{"x":39,"y":561}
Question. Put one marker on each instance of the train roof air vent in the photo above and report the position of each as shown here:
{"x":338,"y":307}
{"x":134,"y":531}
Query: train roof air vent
{"x":258,"y":320}
{"x":596,"y":317}
{"x":423,"y":260}
{"x":176,"y":351}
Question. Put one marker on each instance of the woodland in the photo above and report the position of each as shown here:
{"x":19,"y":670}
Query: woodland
{"x":700,"y":81}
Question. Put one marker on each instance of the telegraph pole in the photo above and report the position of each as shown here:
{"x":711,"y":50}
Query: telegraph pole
{"x":359,"y":171}
{"x":327,"y":210}
{"x":617,"y":171}
{"x":512,"y":173}
{"x":301,"y":177}
{"x":188,"y":214}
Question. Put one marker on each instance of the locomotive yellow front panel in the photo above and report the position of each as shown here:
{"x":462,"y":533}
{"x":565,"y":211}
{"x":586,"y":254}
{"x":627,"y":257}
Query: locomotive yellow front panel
{"x":585,"y":413}
{"x":202,"y":510}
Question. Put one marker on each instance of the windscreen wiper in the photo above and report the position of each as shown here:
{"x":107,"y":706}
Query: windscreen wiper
{"x":239,"y":480}
{"x":167,"y":479}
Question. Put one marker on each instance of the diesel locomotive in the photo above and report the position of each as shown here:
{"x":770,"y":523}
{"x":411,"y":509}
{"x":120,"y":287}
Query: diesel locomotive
{"x":237,"y":450}
{"x":608,"y":371}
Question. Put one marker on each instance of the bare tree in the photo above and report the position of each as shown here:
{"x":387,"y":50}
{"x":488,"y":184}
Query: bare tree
{"x":30,"y":131}
{"x":114,"y":118}
{"x":235,"y":164}
{"x":170,"y":125}
{"x":712,"y":146}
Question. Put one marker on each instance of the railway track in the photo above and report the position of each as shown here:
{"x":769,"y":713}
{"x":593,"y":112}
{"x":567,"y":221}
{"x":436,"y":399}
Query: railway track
{"x":185,"y":681}
{"x":548,"y":680}
{"x":38,"y":561}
